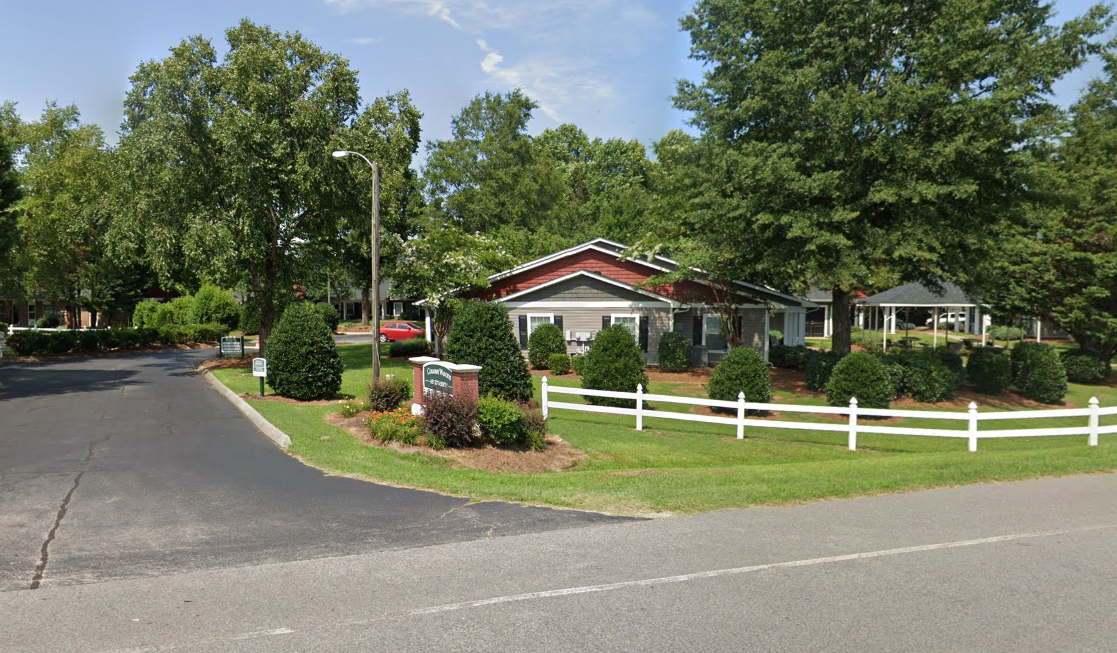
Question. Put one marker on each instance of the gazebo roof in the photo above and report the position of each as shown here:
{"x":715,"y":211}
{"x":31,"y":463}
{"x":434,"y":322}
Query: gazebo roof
{"x":917,"y":294}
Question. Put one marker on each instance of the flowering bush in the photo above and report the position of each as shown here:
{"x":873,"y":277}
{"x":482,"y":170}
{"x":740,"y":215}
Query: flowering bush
{"x":399,"y":425}
{"x":350,"y":407}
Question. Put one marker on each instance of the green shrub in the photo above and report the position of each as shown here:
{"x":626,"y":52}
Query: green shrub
{"x":212,"y":304}
{"x":614,"y":363}
{"x":820,"y":364}
{"x":450,"y":421}
{"x":860,"y":375}
{"x":351,"y":407}
{"x":894,"y":367}
{"x":211,"y":332}
{"x":4,"y":328}
{"x":1084,"y":366}
{"x":1019,"y":354}
{"x":49,"y":321}
{"x":303,"y":362}
{"x":535,"y":426}
{"x":788,"y":357}
{"x":182,"y":310}
{"x":147,"y":337}
{"x":674,"y":352}
{"x":144,"y":314}
{"x":29,"y":343}
{"x":482,"y":335}
{"x":171,"y":334}
{"x":989,"y":370}
{"x":385,"y":395}
{"x":88,"y":342}
{"x":501,"y":420}
{"x":329,"y":315}
{"x":409,"y":348}
{"x":62,"y":342}
{"x":249,"y":322}
{"x":742,"y":370}
{"x":127,"y":338}
{"x":1042,"y":376}
{"x":925,"y":379}
{"x":399,"y":425}
{"x":163,"y":315}
{"x":559,"y":364}
{"x":954,"y":363}
{"x":107,"y":339}
{"x":578,"y":363}
{"x":1005,"y":333}
{"x":545,"y":340}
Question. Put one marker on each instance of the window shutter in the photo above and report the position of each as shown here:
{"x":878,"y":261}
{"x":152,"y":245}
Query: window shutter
{"x":523,"y":332}
{"x":738,"y":323}
{"x":558,"y":323}
{"x":606,"y":321}
{"x":697,"y":329}
{"x":644,"y":333}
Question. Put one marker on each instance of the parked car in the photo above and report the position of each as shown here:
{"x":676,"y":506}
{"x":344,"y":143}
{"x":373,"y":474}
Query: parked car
{"x":394,"y":331}
{"x":948,"y":318}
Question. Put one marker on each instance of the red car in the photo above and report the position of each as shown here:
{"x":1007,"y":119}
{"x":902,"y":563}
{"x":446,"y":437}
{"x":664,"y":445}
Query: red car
{"x":400,"y":331}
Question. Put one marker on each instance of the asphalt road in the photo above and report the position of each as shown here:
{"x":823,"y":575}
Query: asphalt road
{"x":133,"y":466}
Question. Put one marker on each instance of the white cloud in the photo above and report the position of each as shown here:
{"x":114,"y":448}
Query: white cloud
{"x":364,"y":40}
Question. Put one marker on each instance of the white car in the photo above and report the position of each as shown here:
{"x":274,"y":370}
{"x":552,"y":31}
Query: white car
{"x":948,"y":318}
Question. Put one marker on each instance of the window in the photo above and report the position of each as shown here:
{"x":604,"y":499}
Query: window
{"x":535,"y":320}
{"x":397,"y":308}
{"x":631,"y":322}
{"x":711,"y":336}
{"x":31,"y":315}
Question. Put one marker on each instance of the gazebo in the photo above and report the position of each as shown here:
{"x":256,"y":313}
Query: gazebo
{"x":880,"y":311}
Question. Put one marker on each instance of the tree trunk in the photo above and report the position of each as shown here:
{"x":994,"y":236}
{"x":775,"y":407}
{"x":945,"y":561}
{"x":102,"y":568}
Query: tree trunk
{"x":366,"y":306}
{"x":840,"y":340}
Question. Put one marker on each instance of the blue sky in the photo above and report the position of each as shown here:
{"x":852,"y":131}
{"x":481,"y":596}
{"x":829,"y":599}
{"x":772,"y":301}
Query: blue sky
{"x":608,"y":66}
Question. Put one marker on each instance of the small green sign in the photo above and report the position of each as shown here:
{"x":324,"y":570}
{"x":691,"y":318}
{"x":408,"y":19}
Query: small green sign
{"x":232,"y":346}
{"x":438,"y":378}
{"x":259,"y":367}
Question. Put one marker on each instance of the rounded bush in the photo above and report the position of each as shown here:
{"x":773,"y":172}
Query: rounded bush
{"x":742,"y":370}
{"x":450,"y":421}
{"x":501,"y":420}
{"x":213,"y":304}
{"x":954,"y":364}
{"x":88,"y":342}
{"x":989,"y":370}
{"x":1042,"y":376}
{"x":545,"y":340}
{"x":788,"y":357}
{"x":1020,"y":353}
{"x":674,"y":352}
{"x":1085,"y":366}
{"x":62,"y":342}
{"x":559,"y":364}
{"x":926,"y":380}
{"x":303,"y":362}
{"x":50,"y":321}
{"x":860,"y":375}
{"x":482,"y":335}
{"x":578,"y":364}
{"x":386,"y":395}
{"x":144,"y":314}
{"x":182,"y":310}
{"x":1005,"y":333}
{"x":820,"y":364}
{"x":614,"y":363}
{"x":329,"y":315}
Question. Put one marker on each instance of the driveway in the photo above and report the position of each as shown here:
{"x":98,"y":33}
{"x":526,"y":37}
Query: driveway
{"x":133,"y":466}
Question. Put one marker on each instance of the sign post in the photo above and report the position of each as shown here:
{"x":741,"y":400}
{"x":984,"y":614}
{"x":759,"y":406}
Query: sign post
{"x":232,"y":346}
{"x":260,"y":370}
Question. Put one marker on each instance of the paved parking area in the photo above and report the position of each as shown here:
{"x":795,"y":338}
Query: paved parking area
{"x":132,"y":466}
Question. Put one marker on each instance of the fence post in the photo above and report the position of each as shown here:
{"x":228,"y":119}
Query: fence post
{"x":639,"y":406}
{"x":544,"y":397}
{"x":740,"y":415}
{"x":973,"y":427}
{"x":1094,"y":412}
{"x":853,"y":423}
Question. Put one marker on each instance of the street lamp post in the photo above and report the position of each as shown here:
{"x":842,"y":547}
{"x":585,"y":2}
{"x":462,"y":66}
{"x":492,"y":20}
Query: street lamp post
{"x":341,"y":154}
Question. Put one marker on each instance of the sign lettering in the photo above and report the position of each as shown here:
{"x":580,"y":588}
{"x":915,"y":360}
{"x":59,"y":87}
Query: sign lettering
{"x":259,"y":367}
{"x":438,"y":378}
{"x":232,"y":346}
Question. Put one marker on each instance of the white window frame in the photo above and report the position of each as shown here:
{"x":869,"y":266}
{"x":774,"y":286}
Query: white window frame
{"x":397,"y":309}
{"x":613,"y":321}
{"x":32,"y":314}
{"x":705,"y":331}
{"x":550,"y":318}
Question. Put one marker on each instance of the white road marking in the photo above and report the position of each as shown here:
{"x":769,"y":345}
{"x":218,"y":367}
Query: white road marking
{"x":682,"y":578}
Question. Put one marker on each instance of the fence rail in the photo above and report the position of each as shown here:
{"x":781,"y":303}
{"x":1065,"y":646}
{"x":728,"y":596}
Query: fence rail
{"x":972,"y":417}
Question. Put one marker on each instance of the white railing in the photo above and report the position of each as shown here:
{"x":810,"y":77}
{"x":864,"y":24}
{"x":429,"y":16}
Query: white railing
{"x":1091,"y":429}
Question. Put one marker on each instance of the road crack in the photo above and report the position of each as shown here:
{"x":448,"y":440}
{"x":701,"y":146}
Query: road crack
{"x":44,"y":555}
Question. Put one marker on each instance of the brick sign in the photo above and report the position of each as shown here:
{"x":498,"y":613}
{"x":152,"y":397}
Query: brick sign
{"x":438,"y":378}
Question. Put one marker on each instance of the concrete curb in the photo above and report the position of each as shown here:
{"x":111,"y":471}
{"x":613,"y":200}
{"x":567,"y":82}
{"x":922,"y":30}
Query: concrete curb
{"x":261,"y":424}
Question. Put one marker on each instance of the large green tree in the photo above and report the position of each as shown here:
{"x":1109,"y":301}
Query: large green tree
{"x":875,"y":141}
{"x":1063,"y":264}
{"x":231,"y":160}
{"x":10,"y":192}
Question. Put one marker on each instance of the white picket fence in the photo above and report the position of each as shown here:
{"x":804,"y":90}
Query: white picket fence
{"x":1091,"y":428}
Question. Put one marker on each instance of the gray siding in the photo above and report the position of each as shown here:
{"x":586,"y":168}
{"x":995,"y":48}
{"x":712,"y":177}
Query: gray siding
{"x":583,"y":289}
{"x":588,"y":320}
{"x":753,"y":333}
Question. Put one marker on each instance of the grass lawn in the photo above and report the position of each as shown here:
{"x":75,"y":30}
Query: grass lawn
{"x":682,"y":467}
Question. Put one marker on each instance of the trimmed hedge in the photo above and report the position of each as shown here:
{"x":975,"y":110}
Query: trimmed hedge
{"x":482,"y":335}
{"x":37,"y":343}
{"x":559,"y":364}
{"x":742,"y":370}
{"x":409,"y":348}
{"x":215,"y":305}
{"x":1019,"y":353}
{"x":788,"y":357}
{"x":864,"y":376}
{"x":1041,"y":374}
{"x":927,"y":380}
{"x":501,"y":420}
{"x":545,"y":340}
{"x":578,"y":364}
{"x":614,"y":362}
{"x":674,"y":352}
{"x":303,"y":362}
{"x":989,"y":370}
{"x":820,"y":364}
{"x":1084,"y":366}
{"x":144,"y":314}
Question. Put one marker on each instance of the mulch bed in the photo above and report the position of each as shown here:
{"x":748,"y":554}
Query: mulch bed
{"x":555,"y":457}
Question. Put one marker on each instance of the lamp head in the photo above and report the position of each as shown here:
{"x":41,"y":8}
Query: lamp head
{"x":340,"y":154}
